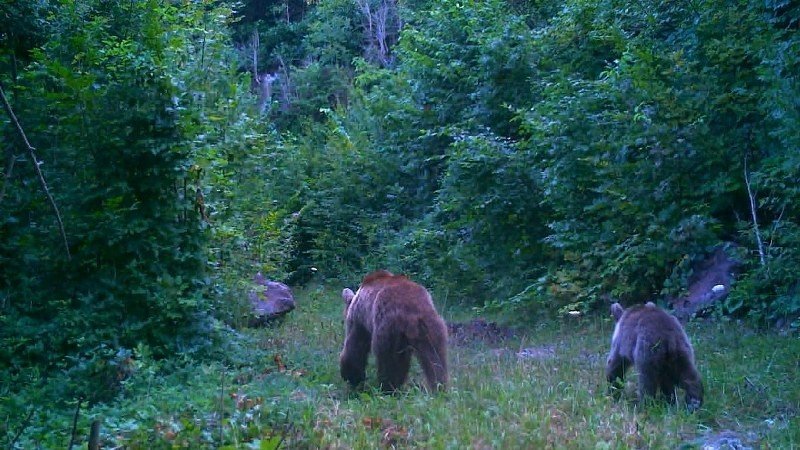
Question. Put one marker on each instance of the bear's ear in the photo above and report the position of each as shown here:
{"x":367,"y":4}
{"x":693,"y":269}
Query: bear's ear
{"x":616,"y":311}
{"x":347,"y":295}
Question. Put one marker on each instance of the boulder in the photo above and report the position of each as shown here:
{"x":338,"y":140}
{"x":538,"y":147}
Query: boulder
{"x":269,"y":301}
{"x":724,"y":440}
{"x":710,"y":283}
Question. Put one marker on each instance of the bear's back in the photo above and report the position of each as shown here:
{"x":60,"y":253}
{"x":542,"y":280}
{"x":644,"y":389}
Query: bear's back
{"x":654,"y":328}
{"x":392,"y":300}
{"x":385,"y":289}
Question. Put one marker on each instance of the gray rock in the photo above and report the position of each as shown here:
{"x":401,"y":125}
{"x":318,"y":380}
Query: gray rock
{"x":710,"y":283}
{"x":724,"y":440}
{"x":269,"y":301}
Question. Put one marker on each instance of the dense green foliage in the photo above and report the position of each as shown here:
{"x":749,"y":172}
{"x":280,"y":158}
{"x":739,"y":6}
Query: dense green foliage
{"x":548,"y":157}
{"x":112,"y":96}
{"x":518,"y":155}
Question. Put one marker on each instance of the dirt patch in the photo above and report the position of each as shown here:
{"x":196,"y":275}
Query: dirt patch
{"x":479,"y":330}
{"x":710,"y":283}
{"x":541,"y":352}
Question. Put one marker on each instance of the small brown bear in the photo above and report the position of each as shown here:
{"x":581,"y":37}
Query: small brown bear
{"x":654,"y":342}
{"x":395,"y":318}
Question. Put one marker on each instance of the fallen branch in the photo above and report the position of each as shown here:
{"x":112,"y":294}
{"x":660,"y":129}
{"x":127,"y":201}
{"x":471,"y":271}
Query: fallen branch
{"x":36,"y":164}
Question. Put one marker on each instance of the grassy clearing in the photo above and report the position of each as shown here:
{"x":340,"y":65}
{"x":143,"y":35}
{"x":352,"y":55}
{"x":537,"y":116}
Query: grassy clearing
{"x":280,"y":387}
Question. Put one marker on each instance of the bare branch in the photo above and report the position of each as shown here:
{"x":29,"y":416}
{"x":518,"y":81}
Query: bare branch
{"x":22,"y":428}
{"x":74,"y":433}
{"x":754,"y":215}
{"x":775,"y":225}
{"x":221,"y":400}
{"x":285,"y":83}
{"x":256,"y":44}
{"x":381,"y":24}
{"x":36,"y":166}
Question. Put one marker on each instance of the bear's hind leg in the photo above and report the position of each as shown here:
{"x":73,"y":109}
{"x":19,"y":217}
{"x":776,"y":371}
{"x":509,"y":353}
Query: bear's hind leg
{"x":648,"y":380}
{"x":432,"y":356}
{"x":393,"y":359}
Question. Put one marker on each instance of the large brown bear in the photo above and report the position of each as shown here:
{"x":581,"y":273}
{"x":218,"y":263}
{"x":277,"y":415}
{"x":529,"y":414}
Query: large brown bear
{"x":395,"y":318}
{"x":655,"y":343}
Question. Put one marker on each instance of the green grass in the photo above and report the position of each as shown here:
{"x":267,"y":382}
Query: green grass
{"x":281,"y":387}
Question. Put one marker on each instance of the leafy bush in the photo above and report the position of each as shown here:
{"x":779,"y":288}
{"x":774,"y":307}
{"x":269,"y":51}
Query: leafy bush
{"x":644,"y":161}
{"x":104,"y":100}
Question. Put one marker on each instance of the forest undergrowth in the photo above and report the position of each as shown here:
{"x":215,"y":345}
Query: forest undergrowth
{"x":539,"y":386}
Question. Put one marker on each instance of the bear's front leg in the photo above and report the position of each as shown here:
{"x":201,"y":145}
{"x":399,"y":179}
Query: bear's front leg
{"x":353,"y":359}
{"x":616,"y":366}
{"x":691,"y":383}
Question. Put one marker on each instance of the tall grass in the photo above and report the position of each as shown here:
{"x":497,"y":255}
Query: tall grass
{"x":543,"y":388}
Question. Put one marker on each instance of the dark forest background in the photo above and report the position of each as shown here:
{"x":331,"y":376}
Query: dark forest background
{"x":525,"y":156}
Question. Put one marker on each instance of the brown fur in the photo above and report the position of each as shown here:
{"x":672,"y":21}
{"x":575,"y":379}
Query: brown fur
{"x":394,"y":318}
{"x":653,"y":341}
